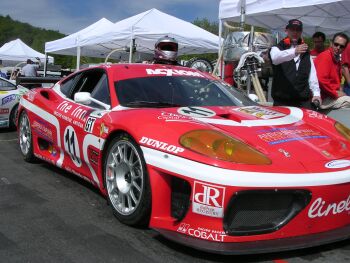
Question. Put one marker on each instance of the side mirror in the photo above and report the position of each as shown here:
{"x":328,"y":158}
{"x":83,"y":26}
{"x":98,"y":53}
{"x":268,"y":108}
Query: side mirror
{"x":82,"y":97}
{"x":85,"y":98}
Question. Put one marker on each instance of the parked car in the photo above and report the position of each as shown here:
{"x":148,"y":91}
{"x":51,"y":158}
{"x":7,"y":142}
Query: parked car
{"x":182,"y":152}
{"x":9,"y":98}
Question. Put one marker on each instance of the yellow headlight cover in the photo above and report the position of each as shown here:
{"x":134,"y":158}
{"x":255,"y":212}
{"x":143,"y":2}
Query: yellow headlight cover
{"x":220,"y":146}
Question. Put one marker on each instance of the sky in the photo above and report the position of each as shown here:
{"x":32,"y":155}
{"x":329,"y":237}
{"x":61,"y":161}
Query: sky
{"x":69,"y":16}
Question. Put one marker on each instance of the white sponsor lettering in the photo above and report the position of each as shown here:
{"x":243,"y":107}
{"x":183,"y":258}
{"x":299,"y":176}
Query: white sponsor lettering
{"x":173,"y":72}
{"x":338,"y":164}
{"x":78,"y":112}
{"x":208,"y":200}
{"x":160,"y":145}
{"x":202,"y":233}
{"x":319,"y":208}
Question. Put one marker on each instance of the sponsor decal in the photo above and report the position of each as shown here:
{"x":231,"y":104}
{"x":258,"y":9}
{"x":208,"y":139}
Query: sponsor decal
{"x":52,"y":150}
{"x":260,"y":112}
{"x":208,"y":199}
{"x":336,"y":164}
{"x":167,"y":116}
{"x":103,"y":129}
{"x":93,"y":155}
{"x":160,"y":145}
{"x":42,"y":128}
{"x":72,"y":113}
{"x":89,"y":124}
{"x":315,"y":115}
{"x":282,"y":135}
{"x":203,"y":233}
{"x":71,"y":145}
{"x":320,"y":208}
{"x":4,"y":111}
{"x":196,"y":112}
{"x":173,"y":72}
{"x":9,"y":98}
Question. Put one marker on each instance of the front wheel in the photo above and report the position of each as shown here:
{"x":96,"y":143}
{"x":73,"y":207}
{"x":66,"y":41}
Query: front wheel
{"x":127,"y":182}
{"x":25,"y":138}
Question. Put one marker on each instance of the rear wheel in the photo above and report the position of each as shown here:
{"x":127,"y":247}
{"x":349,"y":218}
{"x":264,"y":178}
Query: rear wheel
{"x":201,"y":64}
{"x":127,"y":182}
{"x":25,"y":138}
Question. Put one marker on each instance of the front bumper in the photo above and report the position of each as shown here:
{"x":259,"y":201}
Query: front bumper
{"x":261,"y":246}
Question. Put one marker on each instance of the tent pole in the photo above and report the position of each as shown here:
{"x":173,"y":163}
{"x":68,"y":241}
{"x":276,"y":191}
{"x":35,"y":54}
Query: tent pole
{"x":78,"y":57}
{"x":242,"y":21}
{"x":219,"y":51}
{"x":131,"y":49}
{"x":45,"y":64}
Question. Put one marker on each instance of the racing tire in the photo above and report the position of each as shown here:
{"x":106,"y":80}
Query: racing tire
{"x":127,"y":182}
{"x":201,"y":64}
{"x":25,"y":138}
{"x":13,"y":117}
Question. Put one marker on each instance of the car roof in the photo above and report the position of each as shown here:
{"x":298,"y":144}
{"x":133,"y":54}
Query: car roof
{"x":137,"y":70}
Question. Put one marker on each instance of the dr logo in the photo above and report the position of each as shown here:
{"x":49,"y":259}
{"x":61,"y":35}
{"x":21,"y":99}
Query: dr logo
{"x":208,"y":199}
{"x":71,"y":145}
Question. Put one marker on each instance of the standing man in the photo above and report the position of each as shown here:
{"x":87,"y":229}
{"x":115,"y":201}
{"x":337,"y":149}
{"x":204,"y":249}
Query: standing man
{"x":318,"y":38}
{"x":294,"y":76}
{"x":31,"y":69}
{"x":329,"y":73}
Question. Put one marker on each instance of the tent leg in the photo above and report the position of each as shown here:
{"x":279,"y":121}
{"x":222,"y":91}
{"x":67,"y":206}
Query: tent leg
{"x":78,"y":57}
{"x":45,"y":64}
{"x":132,"y":41}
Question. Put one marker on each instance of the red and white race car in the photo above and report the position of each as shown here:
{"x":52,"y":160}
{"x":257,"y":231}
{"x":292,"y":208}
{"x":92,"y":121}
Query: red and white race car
{"x":9,"y":99}
{"x":180,"y":151}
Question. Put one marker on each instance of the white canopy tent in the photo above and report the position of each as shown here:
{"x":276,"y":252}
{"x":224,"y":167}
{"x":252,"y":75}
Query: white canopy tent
{"x":328,"y":16}
{"x":143,"y":30}
{"x":17,"y":50}
{"x":71,"y":44}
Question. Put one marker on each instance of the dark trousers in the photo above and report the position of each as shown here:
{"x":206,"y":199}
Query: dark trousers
{"x":300,"y":104}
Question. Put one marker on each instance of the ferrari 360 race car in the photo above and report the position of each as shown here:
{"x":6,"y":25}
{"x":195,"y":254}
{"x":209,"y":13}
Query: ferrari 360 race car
{"x":9,"y":99}
{"x":180,"y":151}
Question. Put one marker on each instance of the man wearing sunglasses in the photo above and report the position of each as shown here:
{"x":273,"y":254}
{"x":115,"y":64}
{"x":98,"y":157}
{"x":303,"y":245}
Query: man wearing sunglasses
{"x":294,"y":75}
{"x":329,"y":73}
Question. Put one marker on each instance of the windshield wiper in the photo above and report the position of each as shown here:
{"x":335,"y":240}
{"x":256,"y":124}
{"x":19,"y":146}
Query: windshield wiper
{"x":151,"y":104}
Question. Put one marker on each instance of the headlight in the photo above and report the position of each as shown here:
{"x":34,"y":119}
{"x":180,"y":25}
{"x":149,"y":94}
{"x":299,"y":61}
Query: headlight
{"x":343,"y":130}
{"x":220,"y":146}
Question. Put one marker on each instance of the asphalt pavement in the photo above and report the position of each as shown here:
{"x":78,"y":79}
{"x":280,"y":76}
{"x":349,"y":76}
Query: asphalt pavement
{"x":49,"y":215}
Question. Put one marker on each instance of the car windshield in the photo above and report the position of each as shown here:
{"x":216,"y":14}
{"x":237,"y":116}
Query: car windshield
{"x":6,"y":86}
{"x":178,"y":91}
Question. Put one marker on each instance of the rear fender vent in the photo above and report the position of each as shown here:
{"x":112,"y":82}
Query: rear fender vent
{"x":263,"y":211}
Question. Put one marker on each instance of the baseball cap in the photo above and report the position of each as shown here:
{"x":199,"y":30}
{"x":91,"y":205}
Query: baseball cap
{"x":295,"y":23}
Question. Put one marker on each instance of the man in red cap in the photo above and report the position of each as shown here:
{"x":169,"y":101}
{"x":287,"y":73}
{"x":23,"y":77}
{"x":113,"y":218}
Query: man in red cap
{"x":294,"y":76}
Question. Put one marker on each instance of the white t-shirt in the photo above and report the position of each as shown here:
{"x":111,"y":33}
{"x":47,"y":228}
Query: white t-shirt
{"x":30,"y":70}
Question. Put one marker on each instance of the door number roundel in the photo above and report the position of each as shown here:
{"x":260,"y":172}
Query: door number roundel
{"x":71,"y":145}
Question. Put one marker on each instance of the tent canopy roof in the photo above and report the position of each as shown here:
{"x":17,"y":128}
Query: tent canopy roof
{"x":328,"y":16}
{"x":17,"y":50}
{"x":145,"y":28}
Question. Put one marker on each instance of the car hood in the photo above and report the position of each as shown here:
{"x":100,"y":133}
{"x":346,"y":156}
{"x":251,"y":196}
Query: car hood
{"x":290,"y":137}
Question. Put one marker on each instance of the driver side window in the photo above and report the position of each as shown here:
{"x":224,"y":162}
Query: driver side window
{"x":101,"y":92}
